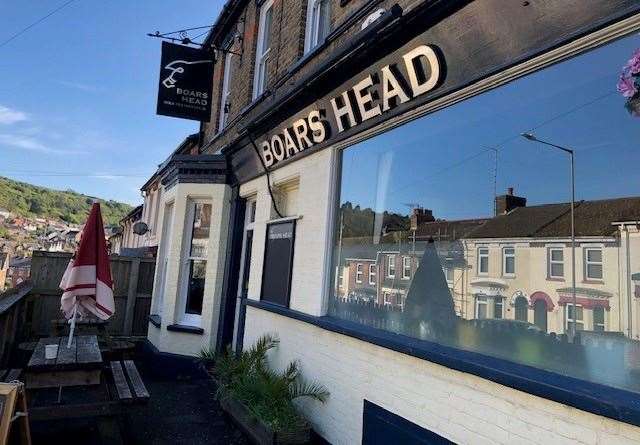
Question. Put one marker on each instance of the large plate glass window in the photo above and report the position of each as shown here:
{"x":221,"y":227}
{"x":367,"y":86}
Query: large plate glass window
{"x":424,"y":191}
{"x":194,"y":263}
{"x":263,"y":49}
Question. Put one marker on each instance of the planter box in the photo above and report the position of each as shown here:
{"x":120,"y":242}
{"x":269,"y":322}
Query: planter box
{"x":257,"y":430}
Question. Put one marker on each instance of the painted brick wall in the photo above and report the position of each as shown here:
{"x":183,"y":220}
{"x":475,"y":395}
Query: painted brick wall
{"x":461,"y":407}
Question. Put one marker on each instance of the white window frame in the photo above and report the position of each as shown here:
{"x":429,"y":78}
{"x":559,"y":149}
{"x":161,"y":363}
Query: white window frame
{"x":226,"y":91}
{"x":406,"y":266}
{"x":163,"y":257}
{"x":551,"y":262}
{"x":567,"y":319}
{"x":372,"y":274}
{"x":262,"y":54}
{"x":587,"y":263}
{"x":312,"y":33}
{"x":505,"y":255}
{"x":391,"y":264}
{"x":359,"y":273}
{"x":448,"y":270}
{"x":604,"y":318}
{"x":482,"y":300}
{"x":185,"y":260}
{"x":480,"y":256}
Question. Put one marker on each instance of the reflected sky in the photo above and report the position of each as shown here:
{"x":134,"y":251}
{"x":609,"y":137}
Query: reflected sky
{"x":442,"y":161}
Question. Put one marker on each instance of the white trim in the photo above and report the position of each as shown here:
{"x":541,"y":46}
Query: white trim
{"x":262,"y":55}
{"x":551,"y":261}
{"x":225,"y":93}
{"x":359,"y":273}
{"x":372,"y":267}
{"x":504,"y":261}
{"x":587,"y":263}
{"x":479,"y":262}
{"x":311,"y":34}
{"x":404,"y":268}
{"x":391,"y":261}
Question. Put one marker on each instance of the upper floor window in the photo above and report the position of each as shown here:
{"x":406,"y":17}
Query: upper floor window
{"x":508,"y":261}
{"x":406,"y":267}
{"x":448,"y":273}
{"x":372,"y":274}
{"x":391,"y":266}
{"x":224,"y":96}
{"x":556,"y":263}
{"x":263,"y":49}
{"x":593,"y":263}
{"x":318,"y":23}
{"x":359,"y":273}
{"x":483,"y":260}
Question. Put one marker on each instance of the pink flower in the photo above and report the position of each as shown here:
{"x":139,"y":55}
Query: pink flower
{"x":633,"y":65}
{"x":626,"y":86}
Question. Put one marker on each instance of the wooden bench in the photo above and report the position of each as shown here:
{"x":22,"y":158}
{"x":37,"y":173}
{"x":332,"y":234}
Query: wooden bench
{"x":128,"y":383}
{"x":9,"y":375}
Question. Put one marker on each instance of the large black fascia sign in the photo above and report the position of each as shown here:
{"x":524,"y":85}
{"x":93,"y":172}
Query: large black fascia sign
{"x":278,"y":262}
{"x":406,"y":75}
{"x":186,"y":79}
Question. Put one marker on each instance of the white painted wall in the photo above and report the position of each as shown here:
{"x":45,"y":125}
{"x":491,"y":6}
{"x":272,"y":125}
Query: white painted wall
{"x":461,"y":407}
{"x":179,"y":342}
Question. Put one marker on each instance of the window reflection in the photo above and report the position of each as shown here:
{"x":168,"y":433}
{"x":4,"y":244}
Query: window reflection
{"x":424,"y":248}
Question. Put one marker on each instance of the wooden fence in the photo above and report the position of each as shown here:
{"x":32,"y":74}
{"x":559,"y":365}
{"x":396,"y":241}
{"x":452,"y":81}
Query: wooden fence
{"x":14,"y":319}
{"x":132,"y":288}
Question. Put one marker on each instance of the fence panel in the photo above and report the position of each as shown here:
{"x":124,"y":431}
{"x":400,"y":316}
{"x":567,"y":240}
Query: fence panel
{"x":132,"y":287}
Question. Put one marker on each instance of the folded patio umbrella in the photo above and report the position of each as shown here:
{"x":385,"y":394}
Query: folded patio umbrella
{"x":86,"y":284}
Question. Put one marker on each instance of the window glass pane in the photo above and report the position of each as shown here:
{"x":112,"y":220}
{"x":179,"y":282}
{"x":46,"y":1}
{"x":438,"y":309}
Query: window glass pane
{"x":594,"y":255}
{"x":195,"y":291}
{"x":441,"y":165}
{"x":594,"y":271}
{"x":266,"y":34}
{"x":200,"y":232}
{"x":557,"y":270}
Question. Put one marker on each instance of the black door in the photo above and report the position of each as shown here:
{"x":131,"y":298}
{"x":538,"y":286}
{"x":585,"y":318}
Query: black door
{"x":382,"y":427}
{"x":521,"y":309}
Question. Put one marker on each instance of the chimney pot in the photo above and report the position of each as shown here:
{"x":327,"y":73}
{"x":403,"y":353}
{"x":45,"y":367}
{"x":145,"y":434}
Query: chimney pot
{"x":510,"y":191}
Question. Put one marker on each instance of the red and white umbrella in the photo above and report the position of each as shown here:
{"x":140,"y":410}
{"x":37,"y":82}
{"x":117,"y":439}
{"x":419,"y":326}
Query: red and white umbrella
{"x":86,"y":284}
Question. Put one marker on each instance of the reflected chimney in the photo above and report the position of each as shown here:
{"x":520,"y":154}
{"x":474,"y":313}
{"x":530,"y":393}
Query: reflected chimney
{"x":420,"y":216}
{"x":508,"y":202}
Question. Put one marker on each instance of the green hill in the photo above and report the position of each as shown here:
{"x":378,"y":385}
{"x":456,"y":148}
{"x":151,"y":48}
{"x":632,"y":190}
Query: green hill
{"x":30,"y":200}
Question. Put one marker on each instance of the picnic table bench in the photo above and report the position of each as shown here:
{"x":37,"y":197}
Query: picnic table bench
{"x":78,"y":384}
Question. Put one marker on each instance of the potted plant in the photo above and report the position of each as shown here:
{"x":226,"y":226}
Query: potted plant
{"x":260,"y":399}
{"x":629,"y":84}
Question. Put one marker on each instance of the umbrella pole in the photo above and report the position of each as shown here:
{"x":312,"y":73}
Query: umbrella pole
{"x":72,"y":322}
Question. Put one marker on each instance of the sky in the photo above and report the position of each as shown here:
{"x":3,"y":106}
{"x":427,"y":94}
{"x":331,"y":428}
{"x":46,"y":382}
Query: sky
{"x":443,"y":161}
{"x":78,"y":92}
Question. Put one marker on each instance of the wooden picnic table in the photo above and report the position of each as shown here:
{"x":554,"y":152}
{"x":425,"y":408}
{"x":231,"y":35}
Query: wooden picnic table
{"x":78,"y":384}
{"x":79,"y":365}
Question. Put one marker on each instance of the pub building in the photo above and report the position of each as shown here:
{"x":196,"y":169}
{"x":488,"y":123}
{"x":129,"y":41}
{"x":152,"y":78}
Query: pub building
{"x":342,"y":194}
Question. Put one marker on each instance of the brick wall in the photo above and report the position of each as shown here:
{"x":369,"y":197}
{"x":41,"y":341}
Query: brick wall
{"x":287,"y":48}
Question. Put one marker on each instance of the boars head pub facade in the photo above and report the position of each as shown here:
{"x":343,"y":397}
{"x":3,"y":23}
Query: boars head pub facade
{"x":345,"y":193}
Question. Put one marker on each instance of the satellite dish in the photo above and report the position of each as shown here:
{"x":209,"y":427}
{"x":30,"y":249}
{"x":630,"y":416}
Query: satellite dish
{"x":140,"y":228}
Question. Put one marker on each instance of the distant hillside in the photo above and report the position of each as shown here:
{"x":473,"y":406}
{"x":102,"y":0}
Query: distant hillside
{"x":30,"y":200}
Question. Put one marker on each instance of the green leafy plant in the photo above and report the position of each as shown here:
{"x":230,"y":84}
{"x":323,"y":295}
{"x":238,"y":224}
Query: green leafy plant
{"x":267,"y":393}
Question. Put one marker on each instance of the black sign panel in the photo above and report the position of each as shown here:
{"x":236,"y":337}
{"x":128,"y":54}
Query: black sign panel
{"x":278,"y":262}
{"x":185,"y":83}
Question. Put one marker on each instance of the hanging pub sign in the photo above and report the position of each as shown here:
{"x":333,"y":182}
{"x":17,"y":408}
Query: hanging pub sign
{"x":184,"y":89}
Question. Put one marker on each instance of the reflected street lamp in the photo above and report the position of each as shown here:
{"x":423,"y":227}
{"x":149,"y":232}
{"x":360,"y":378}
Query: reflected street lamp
{"x":533,"y":138}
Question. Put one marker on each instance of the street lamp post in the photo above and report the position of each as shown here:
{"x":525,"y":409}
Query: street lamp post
{"x":532,"y":137}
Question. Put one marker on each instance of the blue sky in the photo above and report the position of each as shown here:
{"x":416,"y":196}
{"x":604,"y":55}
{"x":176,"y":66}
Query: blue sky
{"x":441,"y":161}
{"x":78,"y":92}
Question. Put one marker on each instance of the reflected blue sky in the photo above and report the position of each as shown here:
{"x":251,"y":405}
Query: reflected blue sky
{"x":441,"y":161}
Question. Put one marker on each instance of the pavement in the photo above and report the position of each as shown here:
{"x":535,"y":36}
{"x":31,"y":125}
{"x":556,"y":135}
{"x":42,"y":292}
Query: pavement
{"x":180,"y":411}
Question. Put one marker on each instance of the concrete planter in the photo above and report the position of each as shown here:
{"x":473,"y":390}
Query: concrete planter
{"x":259,"y":432}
